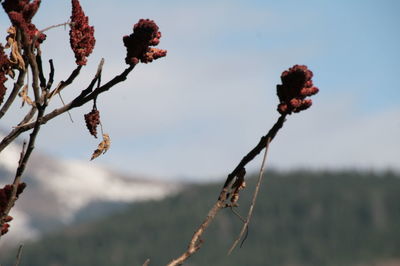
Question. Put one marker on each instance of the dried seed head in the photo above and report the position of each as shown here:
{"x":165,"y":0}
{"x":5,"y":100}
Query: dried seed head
{"x":81,"y":34}
{"x":21,"y":13}
{"x":92,"y":120}
{"x":145,"y":34}
{"x":5,"y":197}
{"x":296,"y":86}
{"x":4,"y":229}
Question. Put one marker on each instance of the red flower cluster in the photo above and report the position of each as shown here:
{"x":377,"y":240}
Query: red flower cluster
{"x":4,"y":68}
{"x":145,"y":34}
{"x":21,"y":13}
{"x":5,"y":196}
{"x":92,"y":120}
{"x":296,"y":86}
{"x":81,"y":35}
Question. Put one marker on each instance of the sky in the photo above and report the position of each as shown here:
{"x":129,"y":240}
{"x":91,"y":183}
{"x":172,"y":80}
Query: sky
{"x":195,"y":113}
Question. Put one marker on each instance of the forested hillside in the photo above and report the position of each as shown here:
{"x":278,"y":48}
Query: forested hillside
{"x":301,"y":218}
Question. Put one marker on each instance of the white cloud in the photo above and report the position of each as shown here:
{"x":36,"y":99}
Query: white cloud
{"x":200,"y":109}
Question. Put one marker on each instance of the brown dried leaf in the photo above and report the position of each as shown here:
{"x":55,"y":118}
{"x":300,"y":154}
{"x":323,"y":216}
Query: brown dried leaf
{"x":11,"y":73}
{"x":103,"y":147}
{"x":10,"y":37}
{"x":15,"y":57}
{"x":24,"y":95}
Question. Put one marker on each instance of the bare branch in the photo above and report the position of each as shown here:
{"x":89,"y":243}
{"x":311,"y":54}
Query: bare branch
{"x":253,"y":202}
{"x":40,"y":68}
{"x":22,"y":165}
{"x":36,"y":36}
{"x":35,"y":76}
{"x":54,"y":26}
{"x":28,"y":117}
{"x":51,"y":75}
{"x":96,"y":78}
{"x":252,"y":154}
{"x":77,"y":102}
{"x":17,"y":86}
{"x":64,"y":84}
{"x":237,"y":214}
{"x":195,"y":242}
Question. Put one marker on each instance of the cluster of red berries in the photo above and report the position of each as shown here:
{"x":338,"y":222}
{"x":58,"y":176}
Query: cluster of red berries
{"x":92,"y":120}
{"x":21,"y":13}
{"x":145,"y":34}
{"x":296,"y":86}
{"x":4,"y":66}
{"x":5,"y":196}
{"x":81,"y":35}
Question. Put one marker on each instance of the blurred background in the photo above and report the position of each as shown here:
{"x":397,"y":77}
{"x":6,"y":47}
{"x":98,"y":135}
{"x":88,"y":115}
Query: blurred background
{"x":332,"y":188}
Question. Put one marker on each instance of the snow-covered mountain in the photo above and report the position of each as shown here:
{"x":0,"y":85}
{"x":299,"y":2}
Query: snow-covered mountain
{"x":61,"y":191}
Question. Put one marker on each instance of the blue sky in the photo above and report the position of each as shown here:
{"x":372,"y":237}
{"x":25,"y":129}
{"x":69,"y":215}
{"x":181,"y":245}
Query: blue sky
{"x":196,"y":112}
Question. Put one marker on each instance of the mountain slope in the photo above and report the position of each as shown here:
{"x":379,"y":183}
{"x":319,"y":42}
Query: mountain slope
{"x":61,"y":191}
{"x":332,"y":219}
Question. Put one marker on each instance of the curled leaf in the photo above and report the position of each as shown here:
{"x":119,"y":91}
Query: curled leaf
{"x":10,"y":72}
{"x":15,"y":57}
{"x":24,"y":95}
{"x":103,"y":147}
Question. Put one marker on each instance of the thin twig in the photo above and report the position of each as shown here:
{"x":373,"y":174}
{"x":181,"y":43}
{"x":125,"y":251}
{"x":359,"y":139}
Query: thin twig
{"x":237,"y":214}
{"x":96,"y":78}
{"x":62,"y":101}
{"x":40,"y":68}
{"x":65,"y":83}
{"x":253,"y":202}
{"x":35,"y":76}
{"x":28,"y":117}
{"x":32,"y":138}
{"x":22,"y":165}
{"x":22,"y":154}
{"x":77,"y":102}
{"x":18,"y":259}
{"x":17,"y":86}
{"x":245,"y":236}
{"x":101,"y":128}
{"x":54,"y":26}
{"x":254,"y":152}
{"x":37,"y":34}
{"x":195,"y":242}
{"x":51,"y":75}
